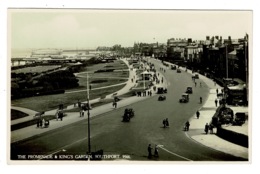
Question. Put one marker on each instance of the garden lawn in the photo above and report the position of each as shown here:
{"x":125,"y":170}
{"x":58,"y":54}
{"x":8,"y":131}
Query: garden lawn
{"x":17,"y":114}
{"x":50,"y":102}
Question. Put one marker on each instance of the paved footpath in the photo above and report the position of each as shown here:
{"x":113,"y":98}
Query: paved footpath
{"x":206,"y":113}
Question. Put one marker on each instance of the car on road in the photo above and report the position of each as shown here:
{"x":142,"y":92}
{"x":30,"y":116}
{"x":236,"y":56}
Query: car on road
{"x":173,"y":67}
{"x":161,"y":98}
{"x":178,"y":70}
{"x":196,"y":76}
{"x":189,"y":90}
{"x":128,"y":114}
{"x":184,"y":98}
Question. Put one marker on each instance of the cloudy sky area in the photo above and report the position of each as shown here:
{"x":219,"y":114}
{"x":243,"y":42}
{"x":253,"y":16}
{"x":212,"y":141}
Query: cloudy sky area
{"x":92,"y":28}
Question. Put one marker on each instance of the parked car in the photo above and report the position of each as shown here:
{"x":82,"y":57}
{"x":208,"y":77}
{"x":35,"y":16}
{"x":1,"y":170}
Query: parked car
{"x":178,"y":70}
{"x":226,"y":116}
{"x":184,"y":98}
{"x":240,"y":118}
{"x":189,"y":90}
{"x":161,"y":98}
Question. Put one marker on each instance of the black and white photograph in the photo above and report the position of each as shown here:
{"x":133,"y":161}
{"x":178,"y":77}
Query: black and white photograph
{"x":113,"y":85}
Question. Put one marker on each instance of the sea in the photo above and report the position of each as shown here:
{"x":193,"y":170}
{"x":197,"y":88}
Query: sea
{"x":20,"y":53}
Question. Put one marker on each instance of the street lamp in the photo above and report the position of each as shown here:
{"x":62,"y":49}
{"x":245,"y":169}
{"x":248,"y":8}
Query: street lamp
{"x":246,"y":42}
{"x":226,"y":63}
{"x":89,"y":147}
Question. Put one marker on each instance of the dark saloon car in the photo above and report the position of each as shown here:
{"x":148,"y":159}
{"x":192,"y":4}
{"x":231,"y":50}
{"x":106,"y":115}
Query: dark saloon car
{"x":184,"y":98}
{"x":161,"y":98}
{"x":189,"y":90}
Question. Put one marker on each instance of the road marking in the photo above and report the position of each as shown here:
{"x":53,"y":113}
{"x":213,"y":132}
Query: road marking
{"x":161,"y":146}
{"x":63,"y":149}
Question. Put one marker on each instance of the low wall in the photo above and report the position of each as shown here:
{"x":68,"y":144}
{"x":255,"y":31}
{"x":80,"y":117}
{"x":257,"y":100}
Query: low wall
{"x":233,"y":137}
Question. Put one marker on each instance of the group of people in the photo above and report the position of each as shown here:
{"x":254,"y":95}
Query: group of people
{"x":42,"y":123}
{"x":209,"y":128}
{"x":165,"y":123}
{"x":156,"y":151}
{"x":59,"y":115}
{"x":139,"y":93}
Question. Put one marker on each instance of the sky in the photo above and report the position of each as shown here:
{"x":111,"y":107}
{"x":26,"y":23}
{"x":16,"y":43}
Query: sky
{"x":82,"y":28}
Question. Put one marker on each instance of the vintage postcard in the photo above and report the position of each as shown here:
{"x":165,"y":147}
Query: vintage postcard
{"x":109,"y":85}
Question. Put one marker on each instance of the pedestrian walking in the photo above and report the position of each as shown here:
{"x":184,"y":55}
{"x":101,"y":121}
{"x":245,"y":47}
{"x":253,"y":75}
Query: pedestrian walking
{"x":216,"y":102}
{"x":164,"y":123}
{"x":206,"y":128}
{"x":38,"y":123}
{"x":187,"y":126}
{"x":200,"y":100}
{"x":220,"y":102}
{"x":114,"y":104}
{"x":217,"y":90}
{"x":83,"y":112}
{"x":43,"y":123}
{"x":195,"y":84}
{"x":198,"y":114}
{"x":149,"y":151}
{"x":211,"y":128}
{"x":167,"y":122}
{"x":156,"y":151}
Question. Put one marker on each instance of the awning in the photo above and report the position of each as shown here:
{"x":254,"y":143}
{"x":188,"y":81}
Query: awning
{"x":233,"y":55}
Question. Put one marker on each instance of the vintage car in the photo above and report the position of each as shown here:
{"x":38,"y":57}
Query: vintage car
{"x":161,"y":98}
{"x":184,"y":98}
{"x":128,"y":114}
{"x":195,"y":76}
{"x":226,"y":116}
{"x":178,"y":70}
{"x":173,"y":67}
{"x":240,"y":118}
{"x":189,"y":90}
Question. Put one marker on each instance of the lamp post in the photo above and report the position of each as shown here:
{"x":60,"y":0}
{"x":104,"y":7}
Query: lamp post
{"x":89,"y":147}
{"x":246,"y":71}
{"x":226,"y":63}
{"x":144,"y":76}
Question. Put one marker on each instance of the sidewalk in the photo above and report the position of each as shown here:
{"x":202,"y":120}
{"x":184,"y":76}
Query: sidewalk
{"x":206,"y":113}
